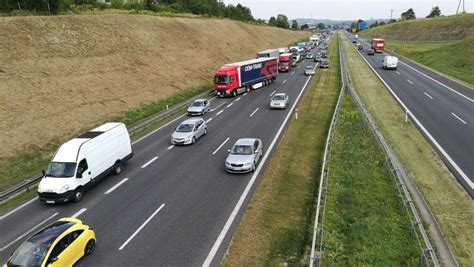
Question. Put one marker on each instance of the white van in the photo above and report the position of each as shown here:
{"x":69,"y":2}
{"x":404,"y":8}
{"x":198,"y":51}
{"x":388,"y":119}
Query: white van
{"x":83,"y":161}
{"x":390,"y":63}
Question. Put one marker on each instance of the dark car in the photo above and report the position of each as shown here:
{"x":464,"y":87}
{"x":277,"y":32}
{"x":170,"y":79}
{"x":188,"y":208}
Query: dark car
{"x":324,"y":55}
{"x":324,"y":64}
{"x":354,"y":42}
{"x":317,"y":59}
{"x":370,"y":52}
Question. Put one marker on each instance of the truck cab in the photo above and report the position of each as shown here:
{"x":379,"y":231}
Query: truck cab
{"x":225,"y":80}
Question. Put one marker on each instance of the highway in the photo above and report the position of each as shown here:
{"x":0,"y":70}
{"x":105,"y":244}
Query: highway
{"x":171,"y":203}
{"x":443,"y":108}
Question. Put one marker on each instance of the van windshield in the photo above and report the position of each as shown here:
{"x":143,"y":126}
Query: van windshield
{"x":61,"y":169}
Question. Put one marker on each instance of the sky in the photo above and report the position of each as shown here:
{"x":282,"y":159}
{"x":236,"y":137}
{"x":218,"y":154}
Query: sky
{"x":346,"y":9}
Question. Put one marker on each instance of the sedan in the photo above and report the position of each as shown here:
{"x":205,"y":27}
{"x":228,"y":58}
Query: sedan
{"x":189,"y":131}
{"x":199,"y":107}
{"x":309,"y":55}
{"x":370,"y":52}
{"x":279,"y":100}
{"x":309,"y":70}
{"x":317,"y":59}
{"x":62,"y":243}
{"x":244,"y":155}
{"x":324,"y":64}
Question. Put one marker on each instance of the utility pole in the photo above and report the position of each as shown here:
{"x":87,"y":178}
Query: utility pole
{"x":463,"y":6}
{"x":391,"y":13}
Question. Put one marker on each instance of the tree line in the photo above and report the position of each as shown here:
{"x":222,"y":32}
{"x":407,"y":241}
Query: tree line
{"x":408,"y":15}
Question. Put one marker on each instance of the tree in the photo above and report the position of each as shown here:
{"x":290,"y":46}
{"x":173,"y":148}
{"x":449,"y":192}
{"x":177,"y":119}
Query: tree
{"x":392,"y":21}
{"x":304,"y":26}
{"x":282,"y":21}
{"x":382,"y":23}
{"x":353,"y":25}
{"x":375,"y":24}
{"x":272,"y":21}
{"x":408,"y":15}
{"x":294,"y":25}
{"x":435,"y":12}
{"x":321,"y":26}
{"x":5,"y":6}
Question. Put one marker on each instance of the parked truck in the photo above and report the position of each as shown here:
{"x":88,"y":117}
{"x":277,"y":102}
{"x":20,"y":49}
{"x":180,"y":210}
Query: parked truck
{"x":285,"y":62}
{"x":240,"y":77}
{"x":378,"y":45}
{"x":268,"y":53}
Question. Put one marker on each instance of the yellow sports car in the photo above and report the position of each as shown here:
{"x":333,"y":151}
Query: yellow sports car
{"x":62,"y":243}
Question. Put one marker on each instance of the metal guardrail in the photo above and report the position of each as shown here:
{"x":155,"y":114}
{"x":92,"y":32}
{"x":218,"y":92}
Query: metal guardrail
{"x":32,"y":181}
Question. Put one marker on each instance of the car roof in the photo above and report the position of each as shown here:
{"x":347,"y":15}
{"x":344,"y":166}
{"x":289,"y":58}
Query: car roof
{"x":245,"y":141}
{"x":283,"y":94}
{"x":308,"y":67}
{"x":199,"y":100}
{"x":51,"y":232}
{"x":191,"y":120}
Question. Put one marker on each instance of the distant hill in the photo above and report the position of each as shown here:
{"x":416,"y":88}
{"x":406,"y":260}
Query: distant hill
{"x":449,"y":28}
{"x":347,"y":23}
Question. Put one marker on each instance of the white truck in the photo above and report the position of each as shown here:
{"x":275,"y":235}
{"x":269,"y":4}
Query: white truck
{"x":390,"y":63}
{"x":283,"y":50}
{"x":83,"y":161}
{"x":268,"y":53}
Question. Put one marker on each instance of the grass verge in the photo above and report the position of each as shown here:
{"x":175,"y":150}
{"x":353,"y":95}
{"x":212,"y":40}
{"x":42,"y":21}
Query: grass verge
{"x":277,"y":226}
{"x":364,"y":223}
{"x":448,"y":58}
{"x":450,"y":204}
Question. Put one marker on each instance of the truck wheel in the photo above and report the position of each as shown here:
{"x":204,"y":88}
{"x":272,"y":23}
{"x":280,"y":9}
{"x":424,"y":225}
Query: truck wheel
{"x":247,"y":89}
{"x":118,"y":169}
{"x":78,"y":194}
{"x":234,"y":94}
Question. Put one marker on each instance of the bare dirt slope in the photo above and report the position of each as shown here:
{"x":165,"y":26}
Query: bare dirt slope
{"x":62,"y":75}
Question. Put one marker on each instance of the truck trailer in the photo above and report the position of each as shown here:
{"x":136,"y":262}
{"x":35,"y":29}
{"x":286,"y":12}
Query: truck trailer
{"x":268,"y":53}
{"x":240,"y":77}
{"x":378,"y":45}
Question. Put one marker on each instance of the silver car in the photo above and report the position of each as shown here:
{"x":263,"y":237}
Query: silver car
{"x":279,"y":100}
{"x":199,"y":107}
{"x":189,"y":131}
{"x":244,"y":155}
{"x":309,"y":70}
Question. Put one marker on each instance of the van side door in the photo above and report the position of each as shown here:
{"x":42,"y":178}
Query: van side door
{"x":83,"y":174}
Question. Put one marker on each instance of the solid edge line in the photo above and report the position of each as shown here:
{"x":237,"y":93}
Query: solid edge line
{"x":235,"y":211}
{"x":149,"y":162}
{"x":18,"y":208}
{"x":423,"y":129}
{"x":141,"y":227}
{"x":79,"y":213}
{"x":215,"y":151}
{"x":29,"y":231}
{"x":115,"y":186}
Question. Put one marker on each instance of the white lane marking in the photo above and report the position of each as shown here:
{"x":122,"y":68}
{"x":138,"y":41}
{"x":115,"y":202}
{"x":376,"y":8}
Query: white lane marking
{"x":426,"y":94}
{"x":149,"y":162}
{"x":141,"y":227}
{"x":229,"y":105}
{"x":293,"y":73}
{"x":220,"y":105}
{"x":29,"y":231}
{"x":237,"y":99}
{"x":219,"y":112}
{"x":154,"y":131}
{"x":79,"y":213}
{"x":397,"y":72}
{"x":170,"y":147}
{"x":235,"y":211}
{"x":284,"y":81}
{"x":18,"y":208}
{"x":210,"y":119}
{"x":410,"y":82}
{"x":272,"y":93}
{"x":434,"y":80}
{"x":254,"y":112}
{"x":457,"y":117}
{"x":115,"y":186}
{"x":217,"y":149}
{"x":424,"y":130}
{"x":245,"y":94}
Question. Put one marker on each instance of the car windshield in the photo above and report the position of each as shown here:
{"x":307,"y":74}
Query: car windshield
{"x":61,"y":169}
{"x":309,"y":67}
{"x":198,"y":104}
{"x":284,"y":63}
{"x":185,"y":128}
{"x":241,"y":150}
{"x":278,"y":97}
{"x":223,"y":79}
{"x":30,"y":254}
{"x":324,"y":62}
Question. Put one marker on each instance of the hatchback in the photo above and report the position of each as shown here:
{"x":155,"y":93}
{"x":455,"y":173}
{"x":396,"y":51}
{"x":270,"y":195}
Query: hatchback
{"x":189,"y":131}
{"x":244,"y":155}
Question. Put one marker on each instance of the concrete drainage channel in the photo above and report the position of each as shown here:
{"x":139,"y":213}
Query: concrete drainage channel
{"x":30,"y":182}
{"x":405,"y":186}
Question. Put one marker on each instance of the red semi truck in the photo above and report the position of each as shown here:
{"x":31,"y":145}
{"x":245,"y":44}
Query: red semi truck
{"x":285,"y":62}
{"x":240,"y":77}
{"x":378,"y":45}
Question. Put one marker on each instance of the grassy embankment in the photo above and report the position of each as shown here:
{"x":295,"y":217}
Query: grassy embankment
{"x":450,"y":204}
{"x":67,"y":74}
{"x":443,"y":44}
{"x":365,"y":223}
{"x":277,"y":225}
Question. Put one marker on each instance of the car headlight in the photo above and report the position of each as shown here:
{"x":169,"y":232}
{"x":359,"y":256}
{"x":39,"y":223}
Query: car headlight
{"x":247,"y":163}
{"x":227,"y":163}
{"x":64,"y":188}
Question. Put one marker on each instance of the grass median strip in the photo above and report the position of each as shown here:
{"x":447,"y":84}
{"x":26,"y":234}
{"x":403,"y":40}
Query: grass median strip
{"x":364,"y":223}
{"x":450,"y":204}
{"x":277,"y":226}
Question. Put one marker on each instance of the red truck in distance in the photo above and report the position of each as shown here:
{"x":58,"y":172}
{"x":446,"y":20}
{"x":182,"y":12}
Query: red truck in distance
{"x":237,"y":78}
{"x":378,"y":45}
{"x":285,"y":62}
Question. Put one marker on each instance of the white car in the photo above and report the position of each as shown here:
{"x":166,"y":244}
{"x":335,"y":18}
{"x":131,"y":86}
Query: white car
{"x":279,"y":100}
{"x":189,"y":131}
{"x":390,"y":63}
{"x":199,"y":107}
{"x":309,"y":70}
{"x":244,"y":155}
